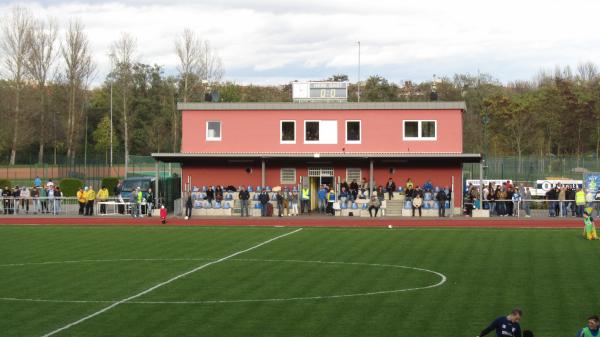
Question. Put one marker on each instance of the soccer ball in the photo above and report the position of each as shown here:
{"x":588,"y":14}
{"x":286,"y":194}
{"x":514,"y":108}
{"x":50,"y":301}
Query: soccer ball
{"x":390,"y":226}
{"x":186,"y":218}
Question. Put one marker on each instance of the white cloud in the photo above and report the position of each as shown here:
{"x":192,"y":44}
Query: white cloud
{"x":275,"y":41}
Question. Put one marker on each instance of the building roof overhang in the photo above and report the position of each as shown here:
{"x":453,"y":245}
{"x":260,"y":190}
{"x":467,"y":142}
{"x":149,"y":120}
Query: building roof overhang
{"x":187,"y":156}
{"x":325,"y":106}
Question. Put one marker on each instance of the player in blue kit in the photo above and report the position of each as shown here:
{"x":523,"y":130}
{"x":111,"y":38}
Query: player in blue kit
{"x":505,"y":326}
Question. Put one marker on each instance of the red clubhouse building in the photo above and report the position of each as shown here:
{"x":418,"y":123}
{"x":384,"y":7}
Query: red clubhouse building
{"x":285,"y":144}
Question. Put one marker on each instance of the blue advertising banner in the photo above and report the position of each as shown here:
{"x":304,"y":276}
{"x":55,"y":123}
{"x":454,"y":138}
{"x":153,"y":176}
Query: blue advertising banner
{"x":591,"y":184}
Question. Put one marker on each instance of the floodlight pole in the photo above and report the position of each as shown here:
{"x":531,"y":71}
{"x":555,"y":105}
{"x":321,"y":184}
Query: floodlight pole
{"x":358,"y":82}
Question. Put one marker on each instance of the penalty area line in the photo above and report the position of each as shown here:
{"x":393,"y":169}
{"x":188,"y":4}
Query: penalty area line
{"x":173,"y":279}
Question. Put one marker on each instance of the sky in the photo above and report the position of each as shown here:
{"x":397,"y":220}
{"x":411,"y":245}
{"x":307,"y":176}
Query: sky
{"x":278,"y":41}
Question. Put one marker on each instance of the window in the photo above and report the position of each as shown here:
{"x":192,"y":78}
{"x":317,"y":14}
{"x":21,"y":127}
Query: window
{"x":420,"y":130}
{"x":213,"y":130}
{"x":353,"y":174}
{"x":288,"y":132}
{"x":320,"y":132}
{"x":312,"y":131}
{"x":428,"y":129}
{"x":353,"y":132}
{"x":288,"y":176}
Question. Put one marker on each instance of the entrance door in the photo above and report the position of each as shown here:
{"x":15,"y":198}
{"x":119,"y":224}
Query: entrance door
{"x":318,"y":176}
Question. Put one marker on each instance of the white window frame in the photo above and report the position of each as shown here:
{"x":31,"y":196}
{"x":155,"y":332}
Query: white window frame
{"x":214,"y":139}
{"x":359,"y":132}
{"x":321,"y":140}
{"x":281,"y":141}
{"x":419,"y":130}
{"x":287,"y":182}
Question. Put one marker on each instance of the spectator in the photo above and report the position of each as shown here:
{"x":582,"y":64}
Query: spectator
{"x":188,"y":206}
{"x":6,"y":201}
{"x":25,"y":196}
{"x":286,"y":201}
{"x":409,"y":184}
{"x":49,"y":184}
{"x":417,"y":203}
{"x":103,"y":197}
{"x":380,"y":193}
{"x":35,"y":198}
{"x":322,"y":197}
{"x":118,"y":188}
{"x":441,"y":199}
{"x":58,"y":195}
{"x":149,"y":202}
{"x":294,"y":202}
{"x":219,"y":194}
{"x":509,"y":203}
{"x":279,"y":198}
{"x":330,"y":201}
{"x":562,"y":197}
{"x":571,"y":200}
{"x":37,"y":182}
{"x":44,"y":200}
{"x":343,"y":196}
{"x":527,"y":202}
{"x":353,"y":190}
{"x":305,"y":200}
{"x":264,"y":200}
{"x":390,"y":187}
{"x":374,"y":203}
{"x":16,"y":199}
{"x":51,"y":200}
{"x":428,"y":186}
{"x":364,"y":187}
{"x":244,"y":196}
{"x":516,"y":200}
{"x":90,"y":198}
{"x":210,"y":195}
{"x":580,"y":202}
{"x":81,"y":199}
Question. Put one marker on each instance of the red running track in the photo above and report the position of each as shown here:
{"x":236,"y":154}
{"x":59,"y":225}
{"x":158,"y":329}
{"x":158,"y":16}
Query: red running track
{"x":310,"y":221}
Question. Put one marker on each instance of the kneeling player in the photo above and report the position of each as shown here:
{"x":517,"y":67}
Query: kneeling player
{"x":589,"y":230}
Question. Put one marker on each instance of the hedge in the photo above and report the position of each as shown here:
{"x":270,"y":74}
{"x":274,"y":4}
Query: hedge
{"x":70,"y":186}
{"x":5,"y":183}
{"x":110,"y":183}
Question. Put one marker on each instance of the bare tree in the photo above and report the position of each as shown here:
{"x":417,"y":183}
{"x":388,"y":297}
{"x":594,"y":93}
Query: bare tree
{"x":189,"y":51}
{"x":212,"y":68}
{"x":79,"y":70}
{"x":15,"y":29}
{"x":199,"y":64}
{"x":42,"y":54}
{"x":123,"y":53}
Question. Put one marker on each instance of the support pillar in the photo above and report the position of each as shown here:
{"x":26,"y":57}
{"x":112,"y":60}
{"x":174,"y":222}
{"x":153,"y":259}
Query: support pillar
{"x":370,"y":178}
{"x":263,"y":176}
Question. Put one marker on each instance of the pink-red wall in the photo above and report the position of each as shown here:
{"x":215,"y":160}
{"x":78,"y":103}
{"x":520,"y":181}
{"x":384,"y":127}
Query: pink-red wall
{"x":259,"y":131}
{"x":236,"y":175}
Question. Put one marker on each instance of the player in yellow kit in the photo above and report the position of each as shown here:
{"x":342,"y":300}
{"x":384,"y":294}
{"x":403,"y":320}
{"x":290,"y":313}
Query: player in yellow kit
{"x":589,"y":229}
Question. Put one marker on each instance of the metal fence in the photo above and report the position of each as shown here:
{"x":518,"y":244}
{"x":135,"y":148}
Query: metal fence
{"x":70,"y":206}
{"x":532,"y":168}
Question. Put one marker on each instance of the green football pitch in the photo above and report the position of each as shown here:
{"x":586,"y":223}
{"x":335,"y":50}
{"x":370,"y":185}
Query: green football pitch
{"x":247,"y":281}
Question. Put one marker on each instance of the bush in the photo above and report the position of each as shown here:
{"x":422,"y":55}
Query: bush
{"x":110,"y":183}
{"x":5,"y":183}
{"x":70,"y":186}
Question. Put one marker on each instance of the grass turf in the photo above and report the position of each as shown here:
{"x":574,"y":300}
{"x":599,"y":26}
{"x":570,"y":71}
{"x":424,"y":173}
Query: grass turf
{"x":551,"y":274}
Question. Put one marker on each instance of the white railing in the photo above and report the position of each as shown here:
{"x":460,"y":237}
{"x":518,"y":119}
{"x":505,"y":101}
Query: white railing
{"x":69,"y":206}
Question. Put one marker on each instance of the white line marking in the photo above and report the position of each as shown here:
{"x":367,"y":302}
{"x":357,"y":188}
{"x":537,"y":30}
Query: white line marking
{"x":166,"y":282}
{"x":442,"y":281}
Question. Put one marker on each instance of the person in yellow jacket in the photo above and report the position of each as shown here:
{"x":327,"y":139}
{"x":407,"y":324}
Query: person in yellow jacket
{"x":82,"y":200}
{"x":103,"y":197}
{"x":90,"y":196}
{"x":580,"y":202}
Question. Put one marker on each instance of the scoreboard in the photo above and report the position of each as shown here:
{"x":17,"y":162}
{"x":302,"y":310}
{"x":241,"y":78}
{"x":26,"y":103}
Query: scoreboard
{"x":320,"y":91}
